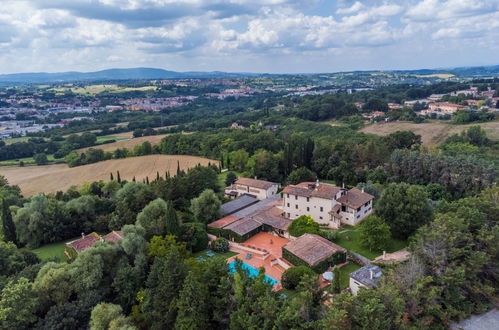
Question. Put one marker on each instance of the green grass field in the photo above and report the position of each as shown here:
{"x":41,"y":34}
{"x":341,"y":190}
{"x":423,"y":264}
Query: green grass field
{"x":105,"y":138}
{"x":54,"y":250}
{"x":345,"y":274}
{"x":27,"y":161}
{"x":349,"y":238}
{"x":217,"y":256}
{"x":15,"y":140}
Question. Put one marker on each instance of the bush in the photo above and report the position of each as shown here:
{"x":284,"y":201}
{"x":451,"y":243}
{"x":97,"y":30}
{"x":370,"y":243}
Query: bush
{"x":330,"y":235}
{"x":292,"y":276}
{"x":302,"y":225}
{"x":220,"y":245}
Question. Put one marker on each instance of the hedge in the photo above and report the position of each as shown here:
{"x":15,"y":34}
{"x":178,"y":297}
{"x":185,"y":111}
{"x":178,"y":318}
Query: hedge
{"x":337,"y":258}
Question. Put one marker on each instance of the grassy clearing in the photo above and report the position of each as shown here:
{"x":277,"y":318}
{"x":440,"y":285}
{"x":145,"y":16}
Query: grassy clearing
{"x":223,"y":176}
{"x":54,"y":250}
{"x":96,"y":89}
{"x":15,"y":140}
{"x":349,"y":238}
{"x":217,"y":256}
{"x":27,"y":161}
{"x":106,"y":138}
{"x":345,"y":274}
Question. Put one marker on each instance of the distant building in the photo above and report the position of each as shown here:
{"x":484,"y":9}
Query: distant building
{"x":473,"y":91}
{"x":259,"y":188}
{"x":326,"y":204}
{"x":365,"y":277}
{"x":436,"y":97}
{"x":443,"y":108}
{"x":75,"y":247}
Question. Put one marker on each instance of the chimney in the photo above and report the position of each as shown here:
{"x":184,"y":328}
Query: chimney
{"x":343,"y":185}
{"x":362,"y":189}
{"x":384,"y":254}
{"x":255,"y":177}
{"x":371,"y":273}
{"x":317,"y":184}
{"x":82,"y":235}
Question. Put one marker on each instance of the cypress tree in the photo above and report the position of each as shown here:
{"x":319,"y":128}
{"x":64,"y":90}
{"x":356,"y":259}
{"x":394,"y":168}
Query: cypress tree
{"x":178,"y":167}
{"x":192,"y":304}
{"x":111,"y":176}
{"x":133,"y":178}
{"x":147,"y":180}
{"x":335,"y":286}
{"x":172,"y":223}
{"x":222,"y":161}
{"x":8,"y":226}
{"x":228,"y":162}
{"x":118,"y":176}
{"x":157,"y":176}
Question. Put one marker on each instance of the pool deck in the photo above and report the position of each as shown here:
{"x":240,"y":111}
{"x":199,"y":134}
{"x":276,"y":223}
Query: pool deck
{"x":269,"y":243}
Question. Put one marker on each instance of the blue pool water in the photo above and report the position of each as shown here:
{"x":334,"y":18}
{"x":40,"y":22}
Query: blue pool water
{"x":252,"y":271}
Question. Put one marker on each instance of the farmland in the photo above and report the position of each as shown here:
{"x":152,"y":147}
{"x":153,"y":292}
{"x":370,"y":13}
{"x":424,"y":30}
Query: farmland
{"x":92,"y":90}
{"x":432,"y":133}
{"x":126,"y":143}
{"x":52,"y":178}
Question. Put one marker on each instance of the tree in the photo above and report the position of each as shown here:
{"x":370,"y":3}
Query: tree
{"x":40,"y":159}
{"x":8,"y":226}
{"x":172,"y":221}
{"x":303,"y":224}
{"x":335,"y":285}
{"x":239,"y":160}
{"x":374,"y":233}
{"x":153,"y":218}
{"x":402,"y":140}
{"x":230,"y":179}
{"x":18,"y":303}
{"x":404,"y":208}
{"x":301,"y":174}
{"x":264,"y":165}
{"x":293,"y":276}
{"x":220,"y":245}
{"x":192,"y":304}
{"x":103,"y":314}
{"x":206,"y":207}
{"x":195,"y":236}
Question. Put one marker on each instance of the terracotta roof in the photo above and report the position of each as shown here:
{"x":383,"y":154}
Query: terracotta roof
{"x":220,"y":223}
{"x":84,"y":243}
{"x":310,"y":189}
{"x":261,"y":184}
{"x":355,"y":198}
{"x":113,"y":237}
{"x":243,"y":226}
{"x":312,"y":248}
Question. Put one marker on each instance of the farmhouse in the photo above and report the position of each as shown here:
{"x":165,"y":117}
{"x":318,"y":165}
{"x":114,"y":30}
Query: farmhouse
{"x":365,"y":277}
{"x":75,"y":247}
{"x":326,"y":204}
{"x":259,"y":188}
{"x":241,"y":225}
{"x":313,"y":251}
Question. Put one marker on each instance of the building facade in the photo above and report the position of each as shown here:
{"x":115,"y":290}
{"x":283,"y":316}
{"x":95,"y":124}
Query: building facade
{"x":259,"y":188}
{"x":326,"y":204}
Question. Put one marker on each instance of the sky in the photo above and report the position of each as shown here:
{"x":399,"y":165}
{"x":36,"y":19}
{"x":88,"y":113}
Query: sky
{"x":274,"y":36}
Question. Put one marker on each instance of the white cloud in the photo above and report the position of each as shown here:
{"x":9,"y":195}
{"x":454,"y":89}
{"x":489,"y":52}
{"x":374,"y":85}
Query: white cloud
{"x":350,"y":10}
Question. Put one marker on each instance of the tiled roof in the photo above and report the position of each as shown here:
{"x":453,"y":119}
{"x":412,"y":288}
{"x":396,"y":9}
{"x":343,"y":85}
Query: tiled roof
{"x":312,"y":248}
{"x":237,"y":204}
{"x":355,"y":198}
{"x":84,"y":243}
{"x":261,"y":184}
{"x":363,"y":275}
{"x":310,"y":189}
{"x":113,"y":237}
{"x":220,"y":223}
{"x":243,"y":226}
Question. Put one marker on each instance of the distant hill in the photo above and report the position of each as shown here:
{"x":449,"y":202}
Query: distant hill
{"x":111,"y":74}
{"x":152,"y":73}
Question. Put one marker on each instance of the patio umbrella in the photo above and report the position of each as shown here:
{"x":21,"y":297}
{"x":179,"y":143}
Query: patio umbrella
{"x":328,"y":276}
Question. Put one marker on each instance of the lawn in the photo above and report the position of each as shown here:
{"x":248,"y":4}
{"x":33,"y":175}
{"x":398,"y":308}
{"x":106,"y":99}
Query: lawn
{"x":217,"y":256}
{"x":106,"y":138}
{"x":54,"y":250}
{"x":349,"y":238}
{"x":345,"y":274}
{"x":223,"y":176}
{"x":27,"y":161}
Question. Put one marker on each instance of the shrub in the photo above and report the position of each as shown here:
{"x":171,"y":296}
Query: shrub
{"x":302,"y":225}
{"x":292,"y":276}
{"x":220,"y":245}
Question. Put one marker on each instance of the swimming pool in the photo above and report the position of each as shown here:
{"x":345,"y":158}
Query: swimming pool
{"x":252,"y":271}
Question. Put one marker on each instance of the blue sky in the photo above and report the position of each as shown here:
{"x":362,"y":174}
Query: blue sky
{"x":277,"y":36}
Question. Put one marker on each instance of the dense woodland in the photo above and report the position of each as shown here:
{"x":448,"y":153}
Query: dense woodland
{"x":443,"y":201}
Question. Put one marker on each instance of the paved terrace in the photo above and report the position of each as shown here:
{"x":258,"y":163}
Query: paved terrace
{"x":268,"y":244}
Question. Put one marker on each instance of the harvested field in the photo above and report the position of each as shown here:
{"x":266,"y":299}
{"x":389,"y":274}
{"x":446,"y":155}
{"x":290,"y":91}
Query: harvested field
{"x":51,"y":178}
{"x":127,"y":144}
{"x":432,"y":133}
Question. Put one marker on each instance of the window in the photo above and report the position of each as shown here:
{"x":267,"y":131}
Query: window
{"x":288,"y":215}
{"x":358,"y":216}
{"x":308,"y":199}
{"x":320,"y":218}
{"x":322,"y":209}
{"x":288,"y":195}
{"x":358,"y":209}
{"x":288,"y":204}
{"x":296,"y":206}
{"x":296,"y":197}
{"x":343,"y":208}
{"x":308,"y":208}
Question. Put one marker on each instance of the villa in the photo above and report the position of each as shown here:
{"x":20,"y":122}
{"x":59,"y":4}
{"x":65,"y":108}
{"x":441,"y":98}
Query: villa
{"x":258,"y":188}
{"x":75,"y":247}
{"x":326,"y":204}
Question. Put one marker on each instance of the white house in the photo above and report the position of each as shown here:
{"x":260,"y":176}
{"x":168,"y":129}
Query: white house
{"x":326,"y":203}
{"x":259,"y":188}
{"x":365,"y":277}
